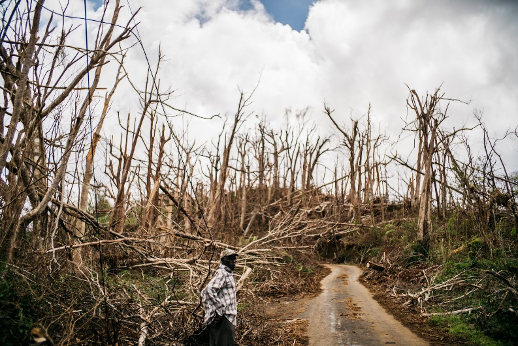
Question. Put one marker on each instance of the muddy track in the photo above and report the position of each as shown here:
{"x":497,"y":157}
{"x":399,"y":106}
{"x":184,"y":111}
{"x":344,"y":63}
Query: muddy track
{"x":346,"y":314}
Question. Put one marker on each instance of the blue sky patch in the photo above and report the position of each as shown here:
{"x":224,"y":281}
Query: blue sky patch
{"x":292,"y":12}
{"x":97,"y":3}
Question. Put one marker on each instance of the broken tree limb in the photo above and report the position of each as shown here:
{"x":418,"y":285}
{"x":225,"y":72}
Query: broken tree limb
{"x":184,"y":212}
{"x":375,"y":266}
{"x":498,"y":276}
{"x":243,"y":277}
{"x":101,"y":242}
{"x":254,"y":214}
{"x":456,"y":312}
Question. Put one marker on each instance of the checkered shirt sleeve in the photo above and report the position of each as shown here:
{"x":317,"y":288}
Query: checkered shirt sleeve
{"x":219,"y":297}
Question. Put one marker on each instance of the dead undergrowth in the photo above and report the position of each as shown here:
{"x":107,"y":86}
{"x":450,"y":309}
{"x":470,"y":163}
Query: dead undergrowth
{"x":456,"y":303}
{"x":382,"y":285}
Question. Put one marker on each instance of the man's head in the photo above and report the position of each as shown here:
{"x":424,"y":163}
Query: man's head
{"x":228,"y":258}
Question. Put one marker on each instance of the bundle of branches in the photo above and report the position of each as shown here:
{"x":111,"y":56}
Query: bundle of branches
{"x":126,"y":290}
{"x":490,"y":298}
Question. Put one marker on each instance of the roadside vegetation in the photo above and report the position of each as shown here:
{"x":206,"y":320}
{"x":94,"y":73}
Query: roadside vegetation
{"x":466,"y":285}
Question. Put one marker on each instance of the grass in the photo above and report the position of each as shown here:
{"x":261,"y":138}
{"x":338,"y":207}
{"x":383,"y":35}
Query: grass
{"x":243,"y":306}
{"x":296,"y":265}
{"x":461,"y":328}
{"x":154,"y":288}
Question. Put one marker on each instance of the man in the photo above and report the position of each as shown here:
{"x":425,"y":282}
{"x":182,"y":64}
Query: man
{"x":219,"y":302}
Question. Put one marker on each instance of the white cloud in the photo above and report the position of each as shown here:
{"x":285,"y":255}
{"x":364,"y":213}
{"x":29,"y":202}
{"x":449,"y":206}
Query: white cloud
{"x":374,"y":47}
{"x":355,"y":53}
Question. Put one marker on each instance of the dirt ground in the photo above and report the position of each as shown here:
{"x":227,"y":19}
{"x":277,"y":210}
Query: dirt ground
{"x":291,"y":318}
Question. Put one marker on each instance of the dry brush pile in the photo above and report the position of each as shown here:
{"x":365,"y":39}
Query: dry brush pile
{"x":461,"y":289}
{"x":128,"y":290}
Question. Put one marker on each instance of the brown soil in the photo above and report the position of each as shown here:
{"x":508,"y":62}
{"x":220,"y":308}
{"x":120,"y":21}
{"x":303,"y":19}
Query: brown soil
{"x":271,"y":318}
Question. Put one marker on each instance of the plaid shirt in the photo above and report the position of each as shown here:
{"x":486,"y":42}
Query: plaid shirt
{"x":219,"y":297}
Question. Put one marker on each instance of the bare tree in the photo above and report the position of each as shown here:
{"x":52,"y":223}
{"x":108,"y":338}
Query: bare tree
{"x":216,"y":202}
{"x":429,"y":117}
{"x":149,"y":97}
{"x":350,"y":141}
{"x":275,"y":141}
{"x":37,"y":89}
{"x":79,"y":229}
{"x":243,"y":186}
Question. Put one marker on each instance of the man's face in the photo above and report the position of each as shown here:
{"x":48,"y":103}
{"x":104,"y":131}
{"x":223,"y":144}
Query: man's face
{"x":229,"y":261}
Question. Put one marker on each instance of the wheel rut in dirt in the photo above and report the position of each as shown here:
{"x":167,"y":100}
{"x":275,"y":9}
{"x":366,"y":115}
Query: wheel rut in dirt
{"x":346,"y":314}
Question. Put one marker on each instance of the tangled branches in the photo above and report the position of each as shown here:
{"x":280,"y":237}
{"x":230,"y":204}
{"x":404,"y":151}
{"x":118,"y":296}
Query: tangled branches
{"x":490,"y":297}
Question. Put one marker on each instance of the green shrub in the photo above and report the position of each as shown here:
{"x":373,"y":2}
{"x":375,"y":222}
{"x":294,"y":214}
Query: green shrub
{"x":474,"y":246}
{"x":461,"y":328}
{"x":18,"y":308}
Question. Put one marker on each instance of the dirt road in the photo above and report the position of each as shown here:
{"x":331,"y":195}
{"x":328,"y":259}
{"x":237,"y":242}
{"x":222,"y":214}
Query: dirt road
{"x":346,"y":314}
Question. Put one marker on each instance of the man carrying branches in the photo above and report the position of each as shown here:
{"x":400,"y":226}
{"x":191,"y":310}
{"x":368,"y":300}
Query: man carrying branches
{"x":219,"y":302}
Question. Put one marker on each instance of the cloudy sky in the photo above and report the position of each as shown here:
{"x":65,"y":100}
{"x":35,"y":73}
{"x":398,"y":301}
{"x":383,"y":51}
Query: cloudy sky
{"x":346,"y":53}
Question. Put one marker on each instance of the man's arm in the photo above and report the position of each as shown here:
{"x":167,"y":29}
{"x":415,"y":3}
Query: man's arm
{"x":212,"y":290}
